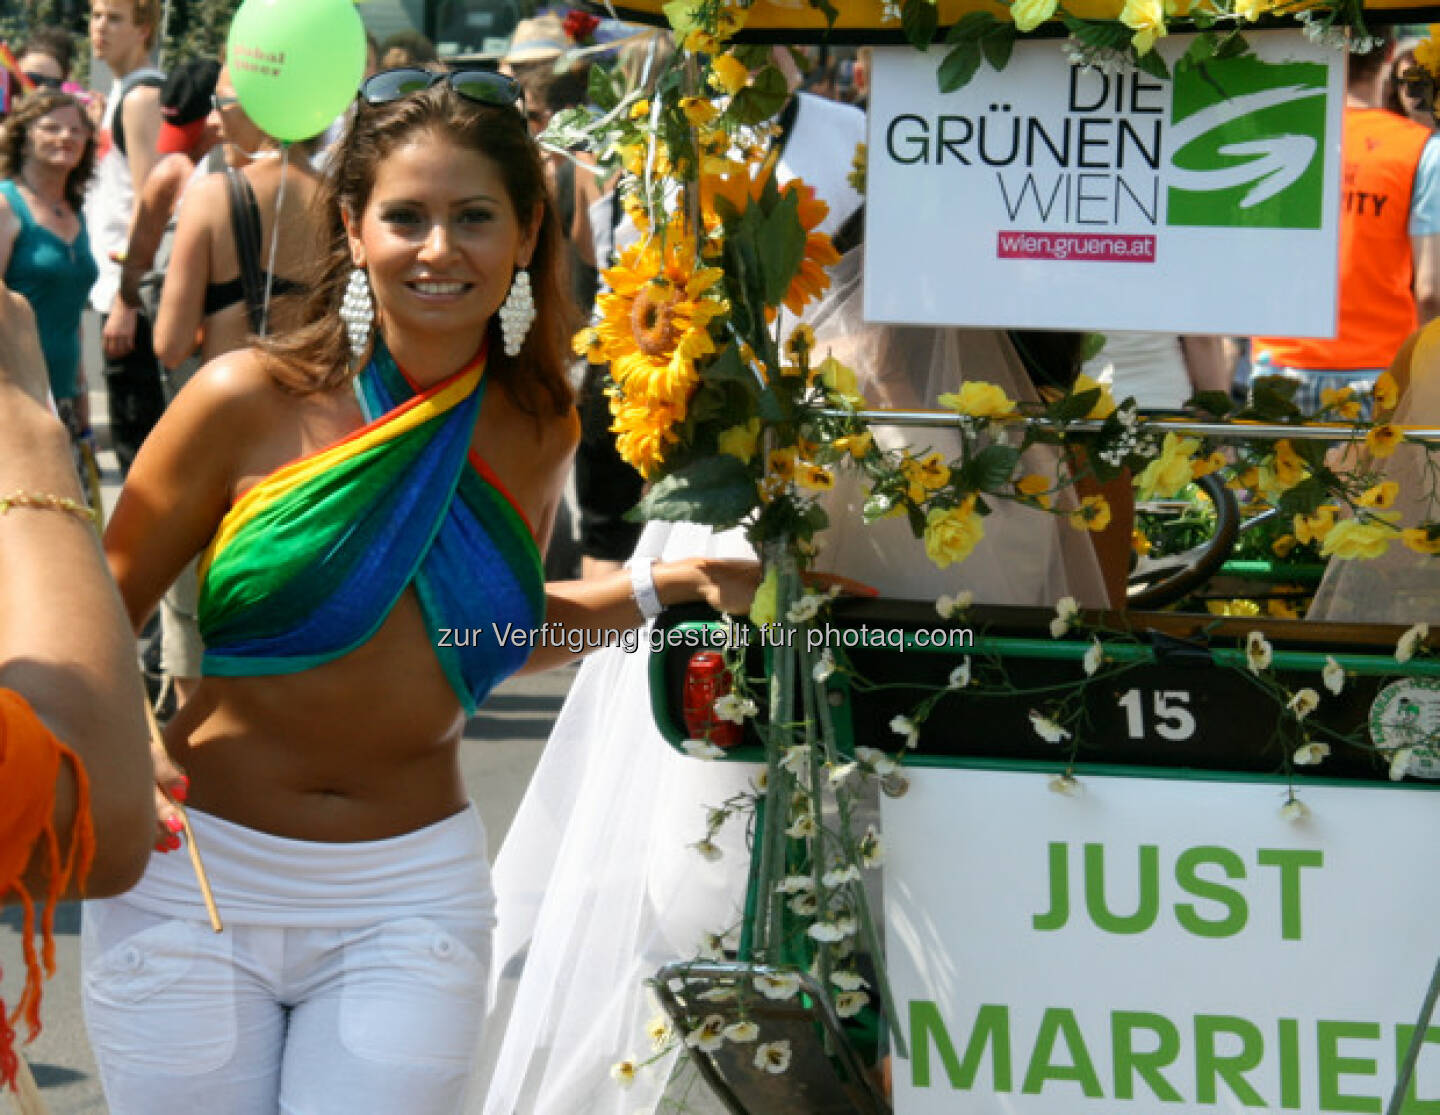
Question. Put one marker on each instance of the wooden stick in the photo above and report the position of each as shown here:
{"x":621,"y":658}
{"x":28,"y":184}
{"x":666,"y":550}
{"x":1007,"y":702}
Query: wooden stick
{"x":27,"y":1097}
{"x":205,"y":892}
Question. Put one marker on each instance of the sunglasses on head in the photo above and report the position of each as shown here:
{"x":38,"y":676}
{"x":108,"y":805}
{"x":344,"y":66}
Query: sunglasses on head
{"x":484,"y":87}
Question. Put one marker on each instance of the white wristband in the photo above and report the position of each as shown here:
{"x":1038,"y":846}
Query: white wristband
{"x":642,"y":587}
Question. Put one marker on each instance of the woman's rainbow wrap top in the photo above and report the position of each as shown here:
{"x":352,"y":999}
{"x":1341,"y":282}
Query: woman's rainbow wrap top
{"x":308,"y":563}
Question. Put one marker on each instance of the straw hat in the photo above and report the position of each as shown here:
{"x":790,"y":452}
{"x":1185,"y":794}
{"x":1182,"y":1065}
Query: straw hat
{"x":541,"y":39}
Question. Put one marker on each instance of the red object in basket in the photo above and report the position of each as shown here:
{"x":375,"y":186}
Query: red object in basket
{"x":706,"y":680}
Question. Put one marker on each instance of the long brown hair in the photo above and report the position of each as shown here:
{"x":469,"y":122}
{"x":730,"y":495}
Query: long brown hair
{"x":16,"y":130}
{"x":315,"y":357}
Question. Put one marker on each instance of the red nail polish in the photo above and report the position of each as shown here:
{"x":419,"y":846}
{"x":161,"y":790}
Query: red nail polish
{"x":175,"y":825}
{"x":162,"y":845}
{"x":180,"y":788}
{"x":172,"y":843}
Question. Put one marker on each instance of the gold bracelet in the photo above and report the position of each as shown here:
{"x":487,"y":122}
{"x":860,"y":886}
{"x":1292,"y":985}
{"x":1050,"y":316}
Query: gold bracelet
{"x":45,"y":501}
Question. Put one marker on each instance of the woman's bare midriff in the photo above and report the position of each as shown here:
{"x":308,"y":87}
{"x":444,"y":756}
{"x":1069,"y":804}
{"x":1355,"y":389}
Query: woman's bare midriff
{"x":362,"y":748}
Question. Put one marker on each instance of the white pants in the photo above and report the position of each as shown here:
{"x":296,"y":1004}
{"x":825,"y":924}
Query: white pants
{"x":371,"y":999}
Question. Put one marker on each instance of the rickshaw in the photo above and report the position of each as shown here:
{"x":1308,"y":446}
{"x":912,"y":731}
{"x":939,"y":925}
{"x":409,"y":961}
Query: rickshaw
{"x":1025,"y":977}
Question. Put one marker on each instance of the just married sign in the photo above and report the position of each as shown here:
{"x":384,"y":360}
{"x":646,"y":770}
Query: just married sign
{"x":1157,"y":945}
{"x":1047,"y":196}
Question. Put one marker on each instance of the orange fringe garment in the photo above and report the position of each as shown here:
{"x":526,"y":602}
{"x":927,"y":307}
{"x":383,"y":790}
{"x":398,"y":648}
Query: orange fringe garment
{"x":30,"y":758}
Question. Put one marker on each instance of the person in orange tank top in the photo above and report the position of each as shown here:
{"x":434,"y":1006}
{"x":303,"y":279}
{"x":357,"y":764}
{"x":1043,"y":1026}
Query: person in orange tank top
{"x":1389,"y":246}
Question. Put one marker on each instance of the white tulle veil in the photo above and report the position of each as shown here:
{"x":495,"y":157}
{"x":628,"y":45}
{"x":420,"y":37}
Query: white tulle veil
{"x":597,"y":885}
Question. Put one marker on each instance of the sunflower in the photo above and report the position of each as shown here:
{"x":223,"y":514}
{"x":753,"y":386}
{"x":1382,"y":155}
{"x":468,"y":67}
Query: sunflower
{"x":655,"y":322}
{"x":644,"y":431}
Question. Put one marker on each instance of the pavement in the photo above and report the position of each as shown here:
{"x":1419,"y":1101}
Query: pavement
{"x":501,"y":746}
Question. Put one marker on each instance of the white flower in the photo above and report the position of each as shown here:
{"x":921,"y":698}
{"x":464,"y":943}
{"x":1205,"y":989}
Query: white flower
{"x":623,"y":1072}
{"x":850,"y":1003}
{"x":1258,"y":652}
{"x":839,"y":876}
{"x":1294,"y":810}
{"x":1309,"y":754}
{"x":842,"y":772}
{"x":778,"y":985}
{"x":1333,"y":675}
{"x":718,"y":994}
{"x":824,"y":666}
{"x":660,"y":1032}
{"x":806,"y":608}
{"x":773,"y":1056}
{"x":1093,"y":657}
{"x":876,"y":760}
{"x":708,"y":1036}
{"x":1066,"y":609}
{"x":795,"y":884}
{"x":1066,"y":785}
{"x":761,"y":781}
{"x":796,"y":759}
{"x":1410,"y":642}
{"x":871,"y":848}
{"x":1400,"y":762}
{"x":1047,"y":729}
{"x":802,"y":827}
{"x":847,"y":980}
{"x":702,"y":749}
{"x":742,"y":1031}
{"x":904,"y":726}
{"x":826,"y":931}
{"x":805,"y":905}
{"x":1303,"y":703}
{"x":734,"y":708}
{"x":708,"y":850}
{"x":959,"y":676}
{"x":951,"y":606}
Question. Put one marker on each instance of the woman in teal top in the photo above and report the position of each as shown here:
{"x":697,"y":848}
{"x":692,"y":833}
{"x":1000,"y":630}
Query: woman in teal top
{"x":47,"y":154}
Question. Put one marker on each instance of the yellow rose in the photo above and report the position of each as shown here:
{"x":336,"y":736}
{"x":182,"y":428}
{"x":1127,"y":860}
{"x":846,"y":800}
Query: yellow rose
{"x":1419,"y":540}
{"x":1314,"y":528}
{"x":1030,"y":14}
{"x":1213,"y":463}
{"x":1387,"y":392}
{"x":1282,"y":546}
{"x":1147,"y":19}
{"x":781,"y":463}
{"x":1034,"y":487}
{"x":1093,"y":514}
{"x":1289,"y":467}
{"x":930,"y":473}
{"x":640,"y":109}
{"x":951,"y":533}
{"x":1169,"y":472}
{"x":1105,"y":405}
{"x":728,"y":74}
{"x":699,"y":111}
{"x":740,"y":441}
{"x":1383,"y":440}
{"x":1342,"y":401}
{"x":857,"y":445}
{"x":1352,"y":538}
{"x":979,"y":399}
{"x":1381,"y":496}
{"x":839,"y":379}
{"x":815,"y":477}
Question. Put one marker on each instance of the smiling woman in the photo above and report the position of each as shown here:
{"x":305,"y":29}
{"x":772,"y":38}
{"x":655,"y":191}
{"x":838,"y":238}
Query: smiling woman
{"x":359,"y":490}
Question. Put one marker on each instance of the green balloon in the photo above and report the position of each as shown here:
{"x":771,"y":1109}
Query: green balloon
{"x":296,"y":64}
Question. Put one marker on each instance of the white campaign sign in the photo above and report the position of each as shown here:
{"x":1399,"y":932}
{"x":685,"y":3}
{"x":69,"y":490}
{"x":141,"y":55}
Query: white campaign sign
{"x":1045,"y":196}
{"x":1156,"y":946}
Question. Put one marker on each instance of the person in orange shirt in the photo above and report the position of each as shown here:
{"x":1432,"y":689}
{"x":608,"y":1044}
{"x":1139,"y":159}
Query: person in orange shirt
{"x":1389,"y":246}
{"x":78,"y":812}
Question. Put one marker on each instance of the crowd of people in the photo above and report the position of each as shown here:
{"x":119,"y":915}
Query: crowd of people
{"x":342,"y":399}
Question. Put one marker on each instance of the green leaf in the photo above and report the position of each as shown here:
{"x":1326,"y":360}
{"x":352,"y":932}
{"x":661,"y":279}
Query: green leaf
{"x":1090,"y":346}
{"x":781,"y":247}
{"x":729,"y":368}
{"x":1217,"y":403}
{"x":919,"y":20}
{"x":1151,"y":63}
{"x":998,"y":45}
{"x":1271,"y":398}
{"x":1201,"y":50}
{"x":1071,"y":408}
{"x":716,"y":490}
{"x":602,"y":90}
{"x":972,"y":27}
{"x":761,"y":99}
{"x":991,"y":468}
{"x":959,"y":66}
{"x":682,"y":16}
{"x":1108,"y":35}
{"x":1233,"y":45}
{"x":1303,"y":498}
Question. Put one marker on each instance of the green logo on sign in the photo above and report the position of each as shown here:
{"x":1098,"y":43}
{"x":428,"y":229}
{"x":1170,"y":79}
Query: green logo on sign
{"x":1248,"y":139}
